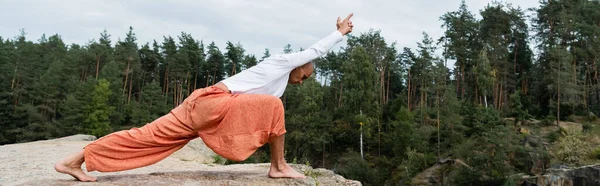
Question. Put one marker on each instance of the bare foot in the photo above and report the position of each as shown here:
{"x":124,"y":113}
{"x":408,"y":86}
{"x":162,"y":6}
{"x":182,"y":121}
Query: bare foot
{"x":72,"y":166}
{"x":286,"y":172}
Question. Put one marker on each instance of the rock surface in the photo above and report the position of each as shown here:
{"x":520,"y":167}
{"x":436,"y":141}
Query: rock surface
{"x":570,"y":127}
{"x":433,"y":174}
{"x":32,"y":164}
{"x":580,"y":176}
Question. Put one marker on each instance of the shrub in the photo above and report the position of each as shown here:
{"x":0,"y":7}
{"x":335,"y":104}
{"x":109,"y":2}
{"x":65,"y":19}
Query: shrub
{"x":352,"y":166}
{"x":466,"y":176}
{"x":553,"y":136}
{"x":596,"y":153}
{"x":218,"y":159}
{"x":549,"y":120}
{"x":572,"y":149}
{"x":571,"y":118}
{"x":591,"y":116}
{"x":586,"y":127}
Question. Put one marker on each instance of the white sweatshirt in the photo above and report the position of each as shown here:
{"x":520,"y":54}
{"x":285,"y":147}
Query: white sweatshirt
{"x":271,"y":75}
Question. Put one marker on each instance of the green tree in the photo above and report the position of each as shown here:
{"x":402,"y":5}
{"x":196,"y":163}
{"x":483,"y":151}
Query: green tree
{"x":360,"y":93}
{"x":99,"y":110}
{"x":170,"y":63}
{"x":150,"y":106}
{"x":249,"y":61}
{"x":266,"y":54}
{"x":101,"y":52}
{"x":484,"y":78}
{"x":215,"y":65}
{"x":149,"y":59}
{"x":461,"y":43}
{"x":234,"y":55}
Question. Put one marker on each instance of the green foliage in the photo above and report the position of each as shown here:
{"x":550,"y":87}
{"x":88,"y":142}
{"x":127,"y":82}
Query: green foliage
{"x":150,"y":105}
{"x":571,"y":118}
{"x":99,"y":110}
{"x":413,"y":163}
{"x":352,"y":166}
{"x":518,"y":109}
{"x":596,"y":153}
{"x":478,"y":119}
{"x":553,"y":136}
{"x":591,"y":117}
{"x":466,"y":176}
{"x":572,"y":148}
{"x":414,"y":106}
{"x":549,"y":120}
{"x":487,"y":149}
{"x":218,"y":159}
{"x":587,"y":127}
{"x":403,"y":132}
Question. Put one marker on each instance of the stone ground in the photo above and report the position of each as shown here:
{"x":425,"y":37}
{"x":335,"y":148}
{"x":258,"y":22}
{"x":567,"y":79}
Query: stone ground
{"x":32,"y":164}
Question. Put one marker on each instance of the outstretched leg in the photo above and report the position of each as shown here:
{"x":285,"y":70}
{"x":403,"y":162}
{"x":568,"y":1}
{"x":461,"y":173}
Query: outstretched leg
{"x":280,"y":169}
{"x":72,"y":165}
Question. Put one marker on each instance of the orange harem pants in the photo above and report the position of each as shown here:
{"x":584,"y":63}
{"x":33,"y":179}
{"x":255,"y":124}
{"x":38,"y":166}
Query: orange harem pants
{"x":232,"y":125}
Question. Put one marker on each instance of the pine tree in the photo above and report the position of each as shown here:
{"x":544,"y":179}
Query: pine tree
{"x":461,"y":44}
{"x":234,"y":55}
{"x":97,"y":121}
{"x":215,"y":65}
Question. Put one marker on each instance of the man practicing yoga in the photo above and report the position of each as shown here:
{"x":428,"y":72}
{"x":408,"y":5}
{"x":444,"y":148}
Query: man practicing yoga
{"x":233,"y":117}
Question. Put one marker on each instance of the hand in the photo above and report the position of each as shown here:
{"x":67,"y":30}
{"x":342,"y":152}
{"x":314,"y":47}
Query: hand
{"x":345,"y":26}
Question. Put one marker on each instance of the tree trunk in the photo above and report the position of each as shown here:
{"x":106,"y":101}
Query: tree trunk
{"x":597,"y":82}
{"x":500,"y":100}
{"x":97,"y":66}
{"x":515,"y":58}
{"x":126,"y":76}
{"x":207,"y":77}
{"x":195,"y":80}
{"x":166,"y":81}
{"x":458,"y":84}
{"x":233,"y":72}
{"x":587,"y":81}
{"x":477,"y":99}
{"x":409,"y":91}
{"x":12,"y":86}
{"x":189,"y":81}
{"x":18,"y":92}
{"x":523,"y":82}
{"x":485,"y":98}
{"x":175,"y":90}
{"x":387,"y":92}
{"x":341,"y":93}
{"x":378,"y":137}
{"x":130,"y":87}
{"x":81,"y":75}
{"x":438,"y":123}
{"x":323,"y":154}
{"x":462,"y":74}
{"x":214,"y":77}
{"x":558,"y":90}
{"x":382,"y":86}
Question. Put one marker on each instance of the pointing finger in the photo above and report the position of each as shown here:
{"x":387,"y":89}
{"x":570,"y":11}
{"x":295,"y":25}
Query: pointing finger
{"x":349,"y":16}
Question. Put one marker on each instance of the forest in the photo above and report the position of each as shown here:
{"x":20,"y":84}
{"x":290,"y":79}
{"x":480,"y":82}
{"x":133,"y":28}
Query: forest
{"x":372,"y":111}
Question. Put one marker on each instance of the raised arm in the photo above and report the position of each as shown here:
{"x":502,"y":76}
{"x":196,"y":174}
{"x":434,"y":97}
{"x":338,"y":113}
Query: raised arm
{"x":321,"y":47}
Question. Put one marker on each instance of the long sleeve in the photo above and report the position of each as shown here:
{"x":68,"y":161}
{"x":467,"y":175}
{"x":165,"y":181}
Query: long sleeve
{"x":271,"y":75}
{"x":314,"y":51}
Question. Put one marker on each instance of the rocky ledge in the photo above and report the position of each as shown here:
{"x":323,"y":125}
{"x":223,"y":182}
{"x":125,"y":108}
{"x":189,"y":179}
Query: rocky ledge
{"x":562,"y":176}
{"x":32,"y":164}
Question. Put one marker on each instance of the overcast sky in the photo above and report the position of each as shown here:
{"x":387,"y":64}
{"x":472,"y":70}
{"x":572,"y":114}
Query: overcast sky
{"x":256,"y":24}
